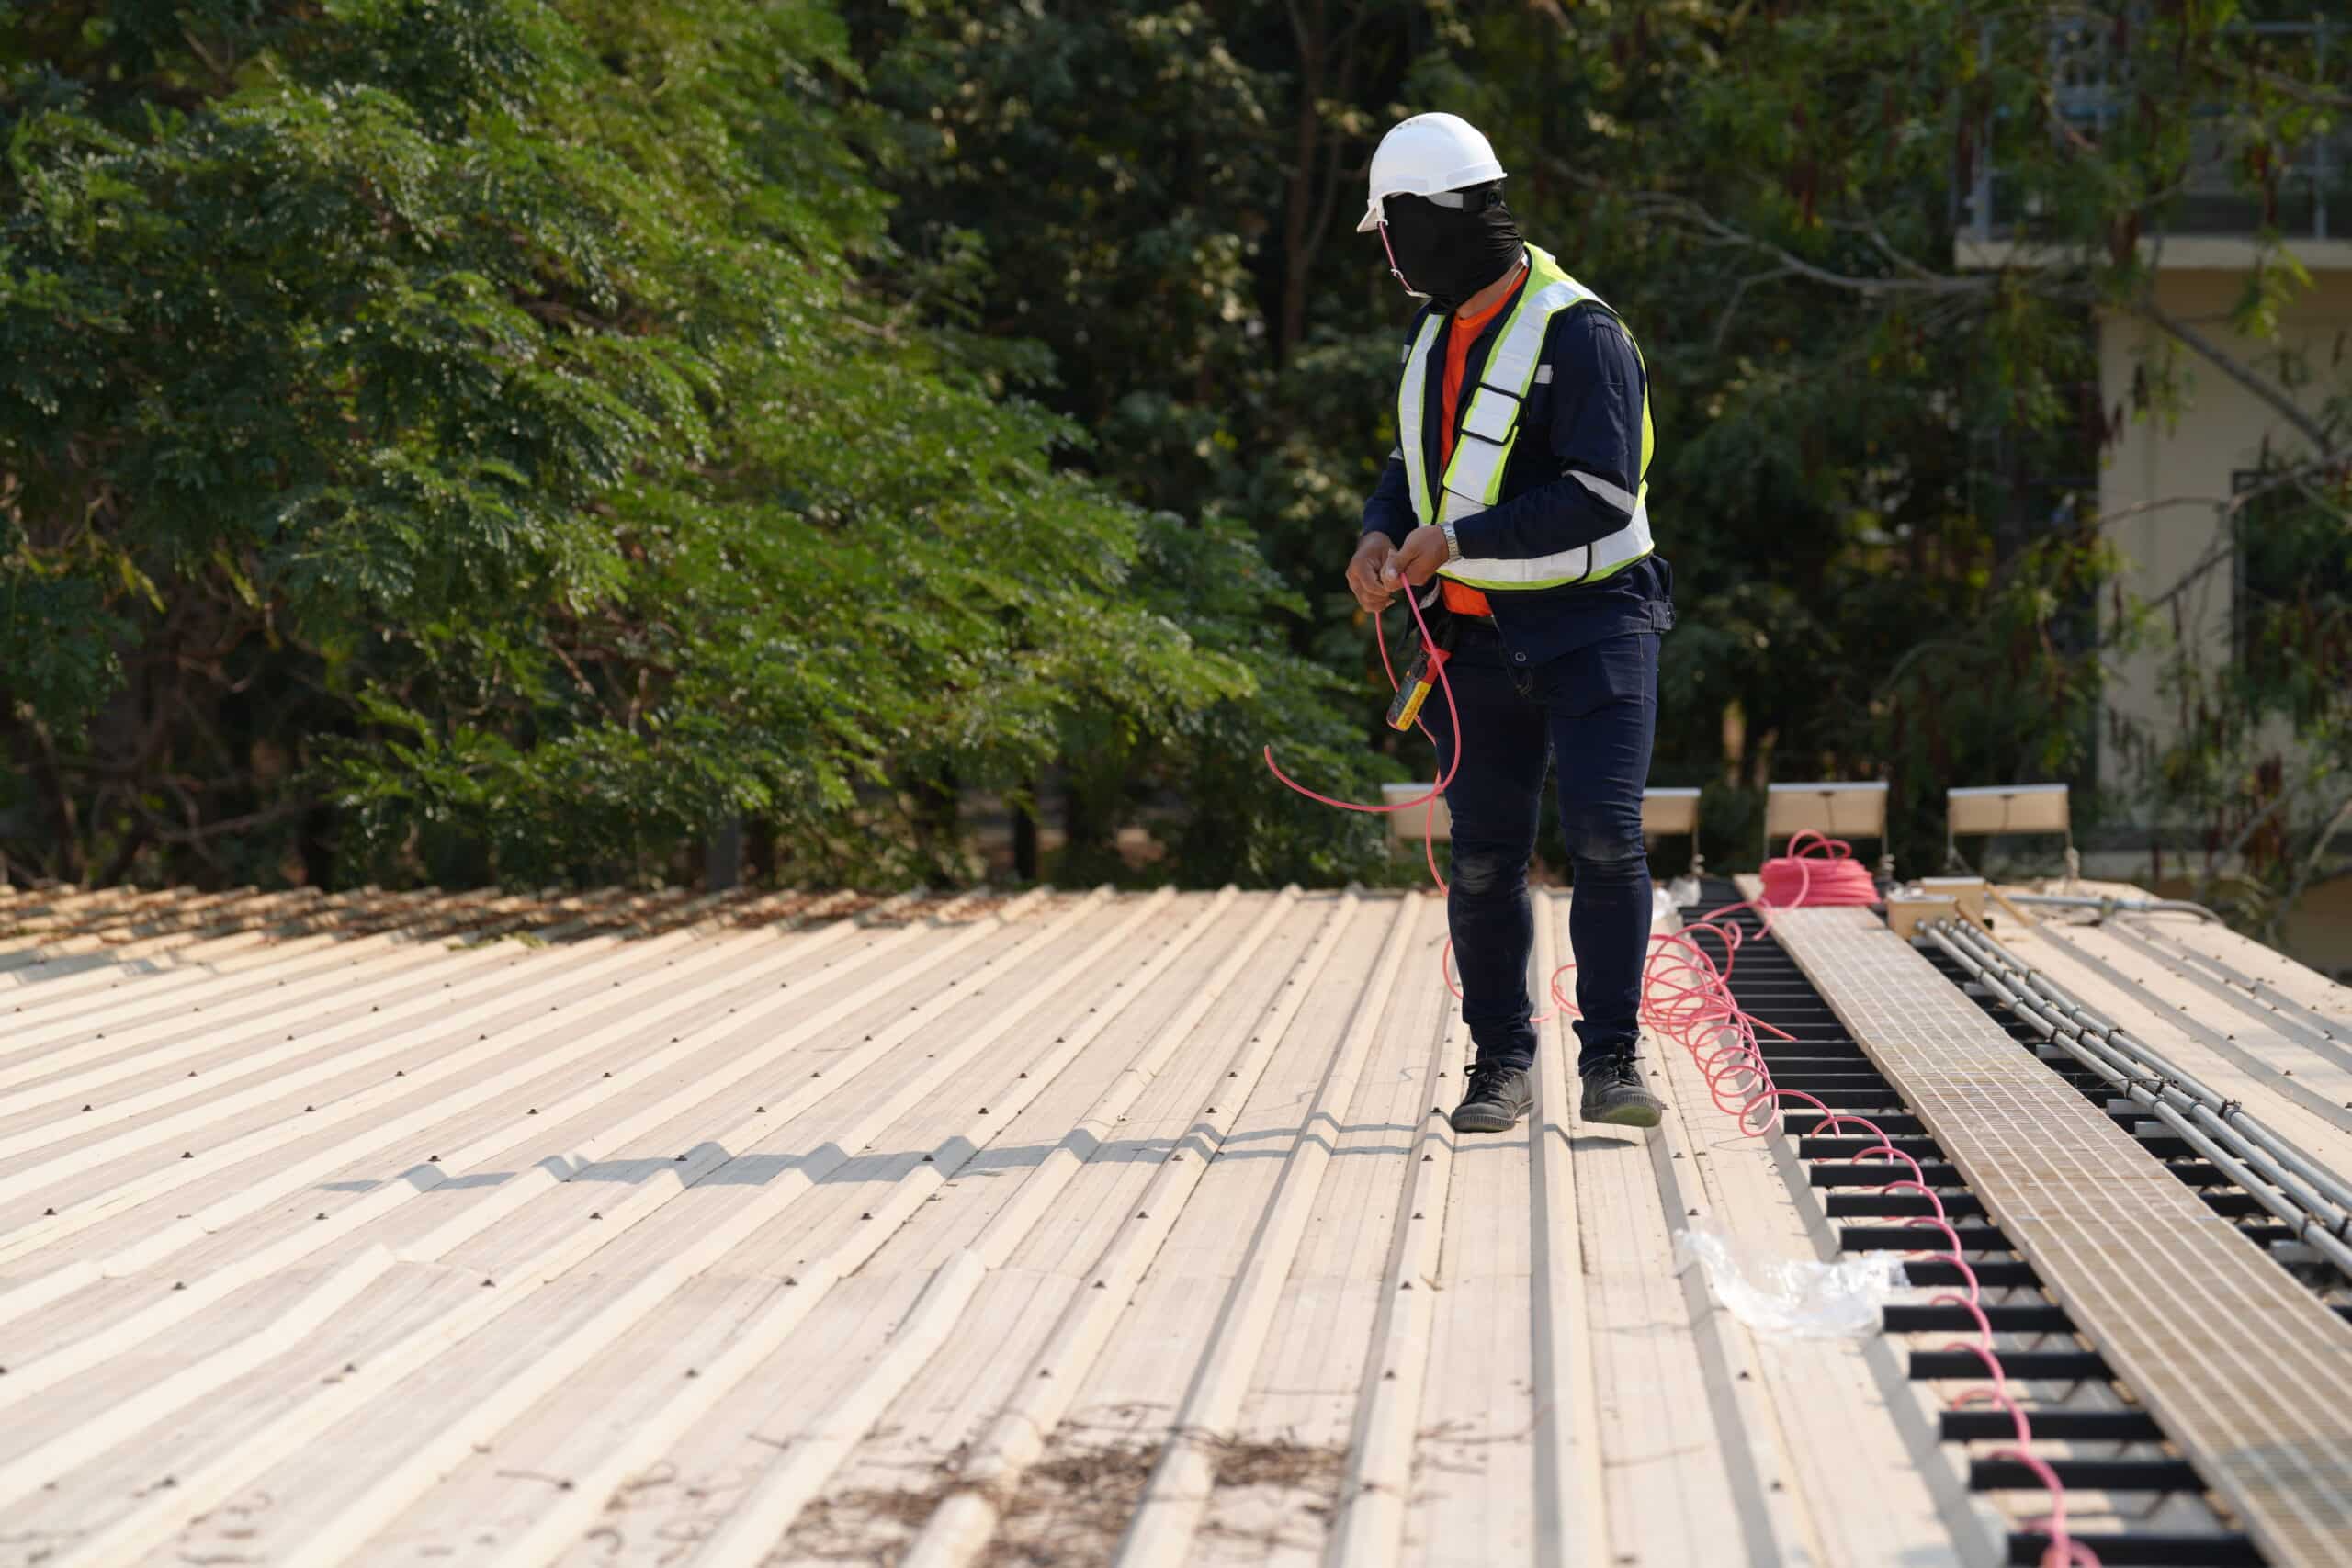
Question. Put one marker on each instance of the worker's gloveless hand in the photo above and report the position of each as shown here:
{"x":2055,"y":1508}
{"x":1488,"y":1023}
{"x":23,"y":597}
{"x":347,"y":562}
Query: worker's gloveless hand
{"x":1363,"y":573}
{"x":1421,"y":554}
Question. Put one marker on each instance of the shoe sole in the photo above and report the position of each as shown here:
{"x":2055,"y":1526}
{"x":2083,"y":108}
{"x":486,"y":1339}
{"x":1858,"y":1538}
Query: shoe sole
{"x":1624,"y":1116}
{"x":1484,"y":1123}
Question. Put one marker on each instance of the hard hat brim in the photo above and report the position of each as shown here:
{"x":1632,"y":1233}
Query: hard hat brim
{"x":1484,"y":173}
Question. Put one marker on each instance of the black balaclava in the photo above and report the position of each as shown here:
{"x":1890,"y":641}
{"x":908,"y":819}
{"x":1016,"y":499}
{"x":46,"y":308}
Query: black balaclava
{"x":1449,"y":254}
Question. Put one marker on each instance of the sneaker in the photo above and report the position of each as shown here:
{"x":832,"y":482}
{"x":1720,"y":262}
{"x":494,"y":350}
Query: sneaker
{"x":1497,"y":1097}
{"x":1613,"y":1093}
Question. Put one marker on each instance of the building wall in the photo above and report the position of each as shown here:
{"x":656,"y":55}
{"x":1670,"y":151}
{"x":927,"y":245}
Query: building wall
{"x":2164,"y":481}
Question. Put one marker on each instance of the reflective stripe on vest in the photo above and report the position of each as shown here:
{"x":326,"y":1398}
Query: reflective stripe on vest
{"x":1473,"y":480}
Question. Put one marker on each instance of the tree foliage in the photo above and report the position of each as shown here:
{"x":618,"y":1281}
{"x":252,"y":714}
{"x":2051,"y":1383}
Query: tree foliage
{"x":481,"y":438}
{"x":468,"y":434}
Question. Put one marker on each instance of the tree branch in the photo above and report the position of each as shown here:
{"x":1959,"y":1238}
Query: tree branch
{"x":2214,"y":862}
{"x":1730,"y":306}
{"x":2304,"y":874}
{"x":2276,"y":398}
{"x":1697,"y":218}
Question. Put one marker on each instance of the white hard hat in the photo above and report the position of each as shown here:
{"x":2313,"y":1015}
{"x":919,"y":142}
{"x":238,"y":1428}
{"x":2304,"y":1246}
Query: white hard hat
{"x":1424,"y":155}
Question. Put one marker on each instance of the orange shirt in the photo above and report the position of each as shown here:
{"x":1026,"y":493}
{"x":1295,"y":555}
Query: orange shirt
{"x":1466,"y":328}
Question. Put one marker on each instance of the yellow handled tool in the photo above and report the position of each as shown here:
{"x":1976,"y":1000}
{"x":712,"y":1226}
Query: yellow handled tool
{"x":1419,"y":677}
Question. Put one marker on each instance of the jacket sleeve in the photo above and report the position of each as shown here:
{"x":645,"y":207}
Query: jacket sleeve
{"x":1389,"y":509}
{"x":1596,"y":434}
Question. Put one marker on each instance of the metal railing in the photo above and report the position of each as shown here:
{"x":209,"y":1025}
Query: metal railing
{"x":2212,"y":199}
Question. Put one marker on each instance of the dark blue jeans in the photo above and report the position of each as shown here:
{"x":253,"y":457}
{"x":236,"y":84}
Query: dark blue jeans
{"x":1594,"y":711}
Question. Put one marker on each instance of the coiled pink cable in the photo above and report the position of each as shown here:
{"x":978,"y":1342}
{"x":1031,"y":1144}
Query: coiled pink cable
{"x":1816,"y":871}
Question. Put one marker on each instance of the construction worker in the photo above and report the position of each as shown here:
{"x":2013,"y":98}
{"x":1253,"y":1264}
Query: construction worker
{"x":1514,"y":509}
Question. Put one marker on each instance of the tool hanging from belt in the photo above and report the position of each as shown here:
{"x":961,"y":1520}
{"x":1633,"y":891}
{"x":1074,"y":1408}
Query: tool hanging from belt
{"x":1420,"y":675}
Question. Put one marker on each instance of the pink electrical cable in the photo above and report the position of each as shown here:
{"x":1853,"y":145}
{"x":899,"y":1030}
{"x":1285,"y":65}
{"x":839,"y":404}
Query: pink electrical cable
{"x":1824,"y":873}
{"x":1686,"y":1014}
{"x":1427,"y":802}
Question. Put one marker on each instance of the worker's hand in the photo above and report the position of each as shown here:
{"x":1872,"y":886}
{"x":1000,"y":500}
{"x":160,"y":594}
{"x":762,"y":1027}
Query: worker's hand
{"x":1363,"y":573}
{"x":1422,"y":553}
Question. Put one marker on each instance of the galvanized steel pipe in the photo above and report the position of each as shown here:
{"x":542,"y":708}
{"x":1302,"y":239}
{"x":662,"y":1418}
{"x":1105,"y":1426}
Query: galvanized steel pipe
{"x":2280,"y":1176}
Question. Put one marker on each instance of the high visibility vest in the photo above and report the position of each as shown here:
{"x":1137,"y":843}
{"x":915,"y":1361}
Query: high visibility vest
{"x":1473,"y":480}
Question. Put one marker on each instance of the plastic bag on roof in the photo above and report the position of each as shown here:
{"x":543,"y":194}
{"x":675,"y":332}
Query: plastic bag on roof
{"x":1799,"y":1298}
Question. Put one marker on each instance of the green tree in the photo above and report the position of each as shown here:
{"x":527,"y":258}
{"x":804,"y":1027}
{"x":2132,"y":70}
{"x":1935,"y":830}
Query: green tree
{"x":474,"y":438}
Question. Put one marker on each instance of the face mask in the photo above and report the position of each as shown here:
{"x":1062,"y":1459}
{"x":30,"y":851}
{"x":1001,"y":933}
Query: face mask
{"x":1447,"y":254}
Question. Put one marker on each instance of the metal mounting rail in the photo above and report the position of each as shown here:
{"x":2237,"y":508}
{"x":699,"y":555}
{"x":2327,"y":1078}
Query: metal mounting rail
{"x":2145,"y":1507}
{"x":2108,"y":905}
{"x":2248,"y":1372}
{"x":2316,"y":1203}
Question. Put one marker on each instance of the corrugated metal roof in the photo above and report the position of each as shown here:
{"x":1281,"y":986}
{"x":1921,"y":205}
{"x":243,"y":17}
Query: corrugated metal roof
{"x":652,"y":1228}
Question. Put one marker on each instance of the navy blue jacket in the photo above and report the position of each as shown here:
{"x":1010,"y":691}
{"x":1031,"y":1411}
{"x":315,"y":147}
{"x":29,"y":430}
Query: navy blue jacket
{"x":1586,"y":416}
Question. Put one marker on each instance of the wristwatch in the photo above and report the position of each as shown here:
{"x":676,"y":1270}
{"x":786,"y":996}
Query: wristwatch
{"x":1452,"y":545}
